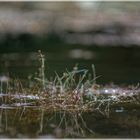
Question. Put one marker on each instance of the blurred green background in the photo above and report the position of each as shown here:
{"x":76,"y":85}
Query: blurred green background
{"x":106,"y":34}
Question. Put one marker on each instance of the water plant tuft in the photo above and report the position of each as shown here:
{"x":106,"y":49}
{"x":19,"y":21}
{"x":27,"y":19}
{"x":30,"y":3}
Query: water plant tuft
{"x":69,"y":95}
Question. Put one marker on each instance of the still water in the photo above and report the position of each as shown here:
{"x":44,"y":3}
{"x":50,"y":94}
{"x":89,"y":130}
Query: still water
{"x":35,"y":122}
{"x":117,"y":65}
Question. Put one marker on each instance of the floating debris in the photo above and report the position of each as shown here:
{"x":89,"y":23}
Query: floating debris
{"x":5,"y":106}
{"x":22,"y":104}
{"x":3,"y":95}
{"x":31,"y":97}
{"x":119,"y":110}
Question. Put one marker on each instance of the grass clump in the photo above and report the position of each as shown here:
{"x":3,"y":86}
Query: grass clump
{"x":69,"y":95}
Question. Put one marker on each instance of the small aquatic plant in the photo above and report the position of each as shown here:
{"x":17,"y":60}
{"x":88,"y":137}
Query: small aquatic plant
{"x":68,"y":96}
{"x":41,"y":76}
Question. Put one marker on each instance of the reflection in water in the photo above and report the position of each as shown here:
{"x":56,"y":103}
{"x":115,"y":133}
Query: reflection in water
{"x":25,"y":117}
{"x":114,"y":118}
{"x":32,"y":123}
{"x":87,"y":111}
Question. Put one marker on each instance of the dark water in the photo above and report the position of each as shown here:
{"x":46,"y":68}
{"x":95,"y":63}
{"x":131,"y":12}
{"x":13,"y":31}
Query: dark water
{"x":32,"y":122}
{"x":119,"y":65}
